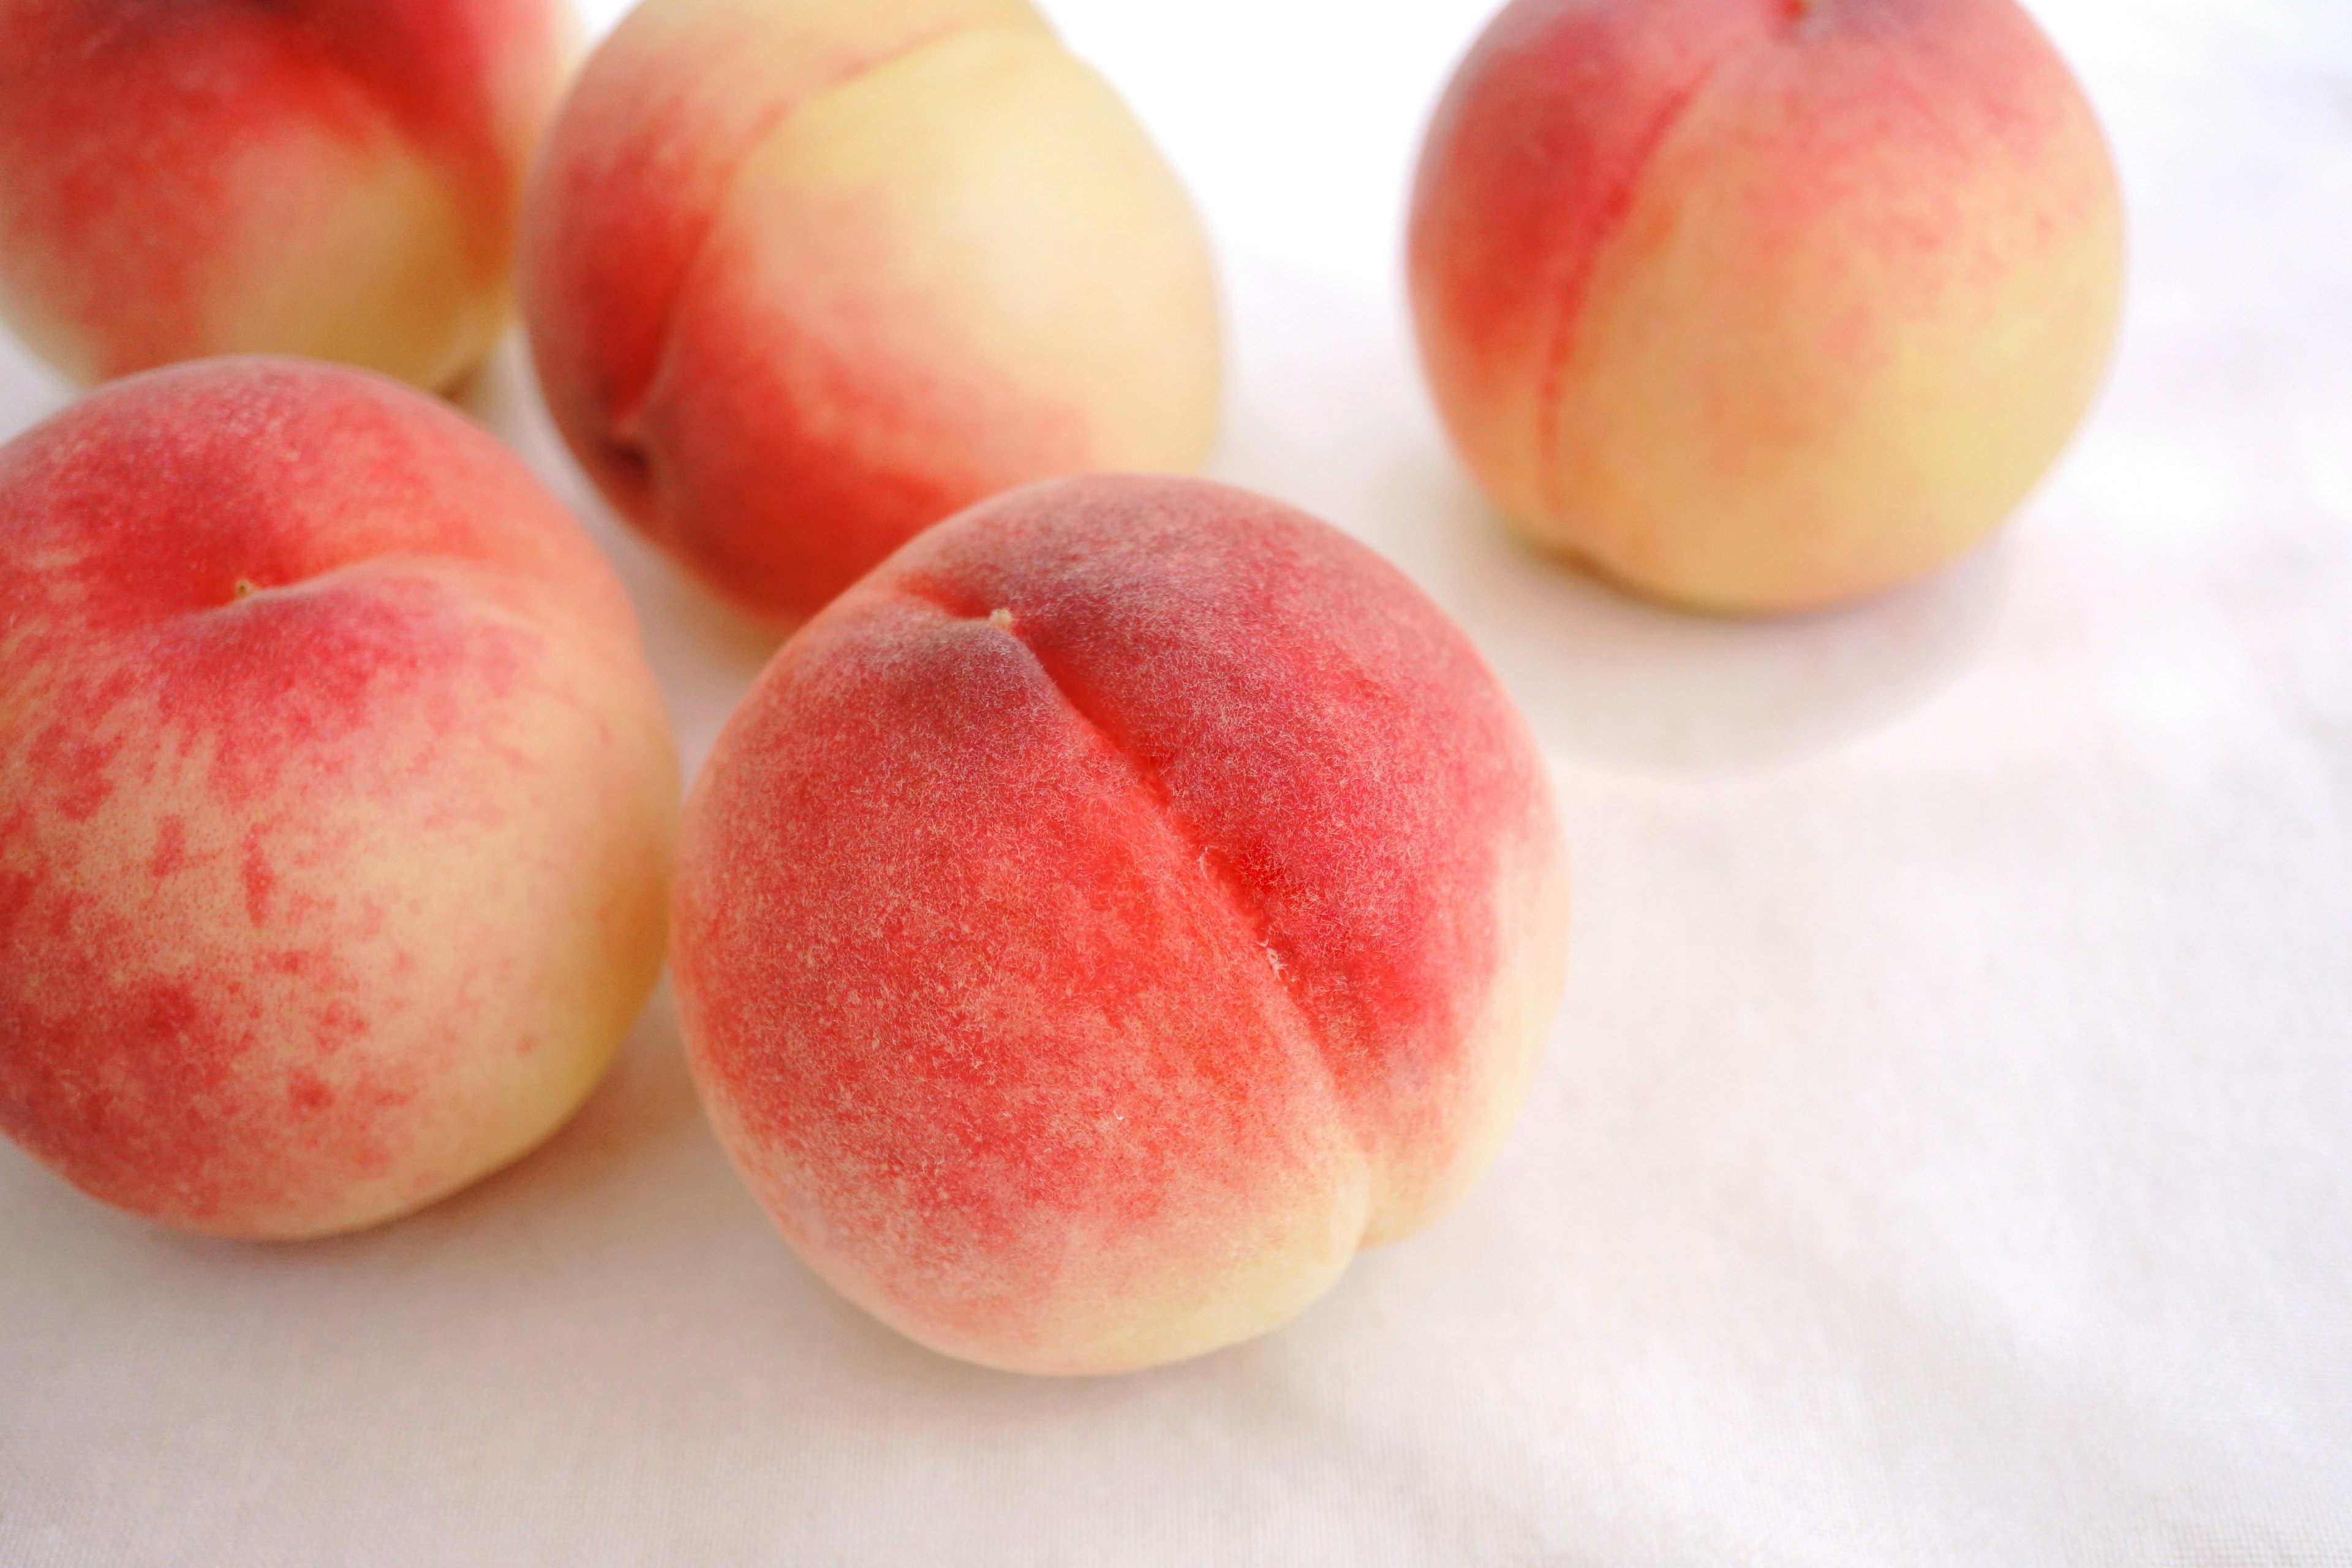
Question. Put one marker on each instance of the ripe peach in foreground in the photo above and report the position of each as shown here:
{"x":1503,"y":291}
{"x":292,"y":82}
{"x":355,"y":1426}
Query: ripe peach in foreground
{"x":338,"y":178}
{"x":336,"y":800}
{"x":804,"y":277}
{"x":1124,"y":904}
{"x":1762,"y":305}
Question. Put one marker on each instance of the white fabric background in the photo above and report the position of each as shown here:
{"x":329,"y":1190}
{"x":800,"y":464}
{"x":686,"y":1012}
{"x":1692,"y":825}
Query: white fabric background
{"x":1942,"y":1157}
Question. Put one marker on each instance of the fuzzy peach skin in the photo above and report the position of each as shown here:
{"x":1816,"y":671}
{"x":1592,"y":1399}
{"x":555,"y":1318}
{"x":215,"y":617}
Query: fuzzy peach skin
{"x":336,"y":800}
{"x":804,"y":277}
{"x":1763,"y":305}
{"x":337,"y":178}
{"x":1126,"y":902}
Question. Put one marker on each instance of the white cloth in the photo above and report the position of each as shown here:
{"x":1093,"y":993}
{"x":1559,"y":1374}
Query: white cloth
{"x":1945,"y":1155}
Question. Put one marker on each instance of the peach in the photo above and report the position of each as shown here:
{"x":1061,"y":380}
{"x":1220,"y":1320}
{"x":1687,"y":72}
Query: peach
{"x":337,"y":178}
{"x":1763,"y":305}
{"x":1127,"y":901}
{"x":336,"y":800}
{"x":803,"y":278}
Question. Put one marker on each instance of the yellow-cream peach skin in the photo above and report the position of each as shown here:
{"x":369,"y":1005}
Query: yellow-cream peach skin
{"x":340,"y":179}
{"x":1763,"y":305}
{"x":804,"y":277}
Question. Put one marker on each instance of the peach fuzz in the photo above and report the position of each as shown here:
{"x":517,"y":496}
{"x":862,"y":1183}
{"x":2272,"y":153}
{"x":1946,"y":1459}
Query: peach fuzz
{"x":1126,"y":902}
{"x":804,"y":277}
{"x":336,"y":799}
{"x":335,"y":178}
{"x":1763,"y":305}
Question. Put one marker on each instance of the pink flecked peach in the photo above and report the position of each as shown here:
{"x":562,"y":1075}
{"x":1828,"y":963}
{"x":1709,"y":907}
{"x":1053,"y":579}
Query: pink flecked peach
{"x":1763,"y":305}
{"x":1126,"y":902}
{"x":336,"y":800}
{"x":804,"y":277}
{"x":336,"y":178}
